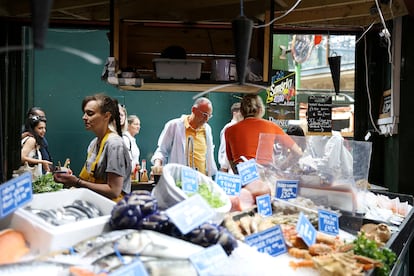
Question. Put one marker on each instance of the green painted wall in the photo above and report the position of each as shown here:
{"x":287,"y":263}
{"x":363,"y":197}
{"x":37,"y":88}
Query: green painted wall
{"x":62,"y":80}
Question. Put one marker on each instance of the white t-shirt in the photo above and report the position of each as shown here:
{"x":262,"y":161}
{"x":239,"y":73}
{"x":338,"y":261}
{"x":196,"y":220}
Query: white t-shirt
{"x":133,"y":149}
{"x":222,"y":156}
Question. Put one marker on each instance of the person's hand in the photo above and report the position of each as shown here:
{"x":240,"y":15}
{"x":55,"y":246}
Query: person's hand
{"x":157,"y":168}
{"x":67,"y":179}
{"x":46,"y":165}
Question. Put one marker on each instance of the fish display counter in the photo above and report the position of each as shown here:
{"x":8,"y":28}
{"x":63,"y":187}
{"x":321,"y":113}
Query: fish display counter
{"x":171,"y":233}
{"x":138,"y":238}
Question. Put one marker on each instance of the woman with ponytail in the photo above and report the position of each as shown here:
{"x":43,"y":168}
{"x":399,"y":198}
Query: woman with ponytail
{"x":108,"y":166}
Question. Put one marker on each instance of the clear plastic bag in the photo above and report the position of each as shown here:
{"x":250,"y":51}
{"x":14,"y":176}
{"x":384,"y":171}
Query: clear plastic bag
{"x":168,"y":193}
{"x":328,"y":170}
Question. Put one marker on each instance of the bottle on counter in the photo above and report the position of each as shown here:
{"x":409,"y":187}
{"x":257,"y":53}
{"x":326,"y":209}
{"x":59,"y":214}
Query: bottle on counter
{"x":135,"y":175}
{"x":144,"y":173}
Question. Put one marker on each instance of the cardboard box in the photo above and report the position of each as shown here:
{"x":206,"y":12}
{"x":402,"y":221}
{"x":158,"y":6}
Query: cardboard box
{"x":44,"y":237}
{"x":179,"y":69}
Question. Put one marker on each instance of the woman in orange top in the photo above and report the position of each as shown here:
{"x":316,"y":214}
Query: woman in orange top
{"x":242,"y":139}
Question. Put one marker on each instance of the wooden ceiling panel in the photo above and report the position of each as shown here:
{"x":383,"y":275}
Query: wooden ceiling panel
{"x":312,"y":13}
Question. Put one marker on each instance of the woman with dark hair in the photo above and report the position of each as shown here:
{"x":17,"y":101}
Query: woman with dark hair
{"x":107,"y":168}
{"x":39,"y":112}
{"x":32,"y":144}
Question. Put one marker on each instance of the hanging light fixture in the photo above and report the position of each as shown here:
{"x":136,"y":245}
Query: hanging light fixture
{"x":242,"y":32}
{"x":40,"y":21}
{"x":335,"y":66}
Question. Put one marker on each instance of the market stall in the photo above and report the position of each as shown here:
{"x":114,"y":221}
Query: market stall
{"x":294,"y":215}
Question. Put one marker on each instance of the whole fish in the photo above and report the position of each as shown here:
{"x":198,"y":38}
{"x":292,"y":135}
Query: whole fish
{"x":35,"y":268}
{"x":112,"y":262}
{"x":86,"y":247}
{"x":154,"y":244}
{"x":129,"y":242}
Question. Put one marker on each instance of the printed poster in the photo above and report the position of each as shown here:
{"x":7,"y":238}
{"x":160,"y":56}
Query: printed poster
{"x":281,"y":99}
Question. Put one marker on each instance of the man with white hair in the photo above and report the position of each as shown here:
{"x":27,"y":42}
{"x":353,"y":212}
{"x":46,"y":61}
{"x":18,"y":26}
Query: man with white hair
{"x":188,"y":140}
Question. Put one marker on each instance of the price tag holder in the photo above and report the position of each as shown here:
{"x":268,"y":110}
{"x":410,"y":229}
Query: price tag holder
{"x":248,"y":171}
{"x":189,"y":180}
{"x":136,"y":268}
{"x":286,"y":189}
{"x":264,"y":205}
{"x":328,"y":222}
{"x":207,"y":261}
{"x":15,"y":193}
{"x":270,"y":241}
{"x":306,"y":230}
{"x":190,"y":213}
{"x":230,"y":183}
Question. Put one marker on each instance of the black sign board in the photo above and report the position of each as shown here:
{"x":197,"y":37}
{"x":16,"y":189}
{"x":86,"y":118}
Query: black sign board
{"x":320,"y":114}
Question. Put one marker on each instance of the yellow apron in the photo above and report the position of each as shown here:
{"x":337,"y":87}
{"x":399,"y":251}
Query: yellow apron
{"x":89,"y":175}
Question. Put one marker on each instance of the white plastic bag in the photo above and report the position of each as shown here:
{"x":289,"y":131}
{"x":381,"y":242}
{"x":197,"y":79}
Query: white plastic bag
{"x":168,"y":193}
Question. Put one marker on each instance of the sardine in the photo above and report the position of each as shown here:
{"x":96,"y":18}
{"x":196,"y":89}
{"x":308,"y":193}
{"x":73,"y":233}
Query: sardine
{"x":170,"y":267}
{"x":87,"y":246}
{"x":35,"y":268}
{"x":128,"y":242}
{"x":154,"y":244}
{"x":112,"y":262}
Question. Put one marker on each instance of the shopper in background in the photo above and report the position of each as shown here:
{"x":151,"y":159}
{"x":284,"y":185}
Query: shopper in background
{"x":188,"y":140}
{"x":242,"y":139}
{"x":107,"y":168}
{"x":123,"y":117}
{"x":32,"y":143}
{"x":222,"y":156}
{"x":296,"y":130}
{"x":134,"y":126}
{"x":44,"y":150}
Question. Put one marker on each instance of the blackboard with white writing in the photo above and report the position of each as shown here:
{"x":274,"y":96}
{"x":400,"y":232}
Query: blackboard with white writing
{"x":320,"y":114}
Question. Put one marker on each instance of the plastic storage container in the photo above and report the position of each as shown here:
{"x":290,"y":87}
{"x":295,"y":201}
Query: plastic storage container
{"x":44,"y":237}
{"x":178,"y":69}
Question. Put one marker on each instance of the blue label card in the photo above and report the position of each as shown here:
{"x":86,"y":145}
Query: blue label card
{"x":270,"y":241}
{"x":190,"y":213}
{"x":15,"y":193}
{"x":264,"y":205}
{"x":286,"y":189}
{"x":328,"y":222}
{"x":248,"y":171}
{"x":207,"y":261}
{"x":306,"y":230}
{"x":135,"y":268}
{"x":189,"y":180}
{"x":230,"y":183}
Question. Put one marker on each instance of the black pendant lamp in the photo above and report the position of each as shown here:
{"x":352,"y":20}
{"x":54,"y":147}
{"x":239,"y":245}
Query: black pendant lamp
{"x":40,"y":21}
{"x":242,"y":33}
{"x":335,"y":66}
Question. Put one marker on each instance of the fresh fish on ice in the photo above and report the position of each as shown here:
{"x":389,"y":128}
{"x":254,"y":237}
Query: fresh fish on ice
{"x":128,"y":242}
{"x":87,"y":246}
{"x":155,"y":244}
{"x":35,"y":268}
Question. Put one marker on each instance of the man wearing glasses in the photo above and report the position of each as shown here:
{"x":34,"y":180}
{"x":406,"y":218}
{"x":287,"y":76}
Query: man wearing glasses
{"x":188,"y":140}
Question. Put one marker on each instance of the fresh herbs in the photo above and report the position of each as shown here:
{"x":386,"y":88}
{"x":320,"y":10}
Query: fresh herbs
{"x":366,"y":247}
{"x":45,"y":183}
{"x":213,"y":199}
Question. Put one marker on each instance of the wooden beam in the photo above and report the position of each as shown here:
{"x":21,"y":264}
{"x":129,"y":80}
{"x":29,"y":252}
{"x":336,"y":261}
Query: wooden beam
{"x":193,"y":87}
{"x":267,"y":59}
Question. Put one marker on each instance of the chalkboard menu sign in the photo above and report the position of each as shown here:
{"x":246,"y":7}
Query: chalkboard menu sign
{"x":320,"y":114}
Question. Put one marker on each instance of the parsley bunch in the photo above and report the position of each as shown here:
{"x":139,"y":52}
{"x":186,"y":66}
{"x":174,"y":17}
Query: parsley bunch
{"x":45,"y":183}
{"x":369,"y":248}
